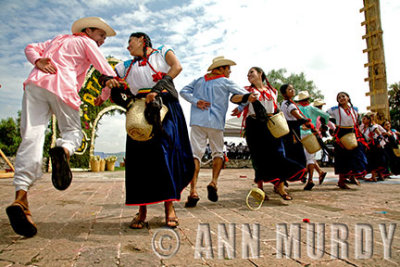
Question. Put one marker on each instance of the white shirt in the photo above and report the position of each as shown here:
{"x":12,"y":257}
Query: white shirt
{"x":343,"y":118}
{"x":287,"y":107}
{"x":140,"y":77}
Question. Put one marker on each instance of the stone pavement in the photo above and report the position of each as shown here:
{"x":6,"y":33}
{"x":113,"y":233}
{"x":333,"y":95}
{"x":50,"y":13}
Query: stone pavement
{"x":87,"y":225}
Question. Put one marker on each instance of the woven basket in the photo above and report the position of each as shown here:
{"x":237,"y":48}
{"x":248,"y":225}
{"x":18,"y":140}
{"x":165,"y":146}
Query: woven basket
{"x":258,"y":195}
{"x":396,"y":151}
{"x":136,"y":124}
{"x":95,"y":165}
{"x":349,"y":141}
{"x":110,"y":165}
{"x":102,"y":165}
{"x":310,"y":143}
{"x":277,"y":125}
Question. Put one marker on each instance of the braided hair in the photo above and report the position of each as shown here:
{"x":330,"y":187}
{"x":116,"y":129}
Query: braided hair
{"x":146,"y":43}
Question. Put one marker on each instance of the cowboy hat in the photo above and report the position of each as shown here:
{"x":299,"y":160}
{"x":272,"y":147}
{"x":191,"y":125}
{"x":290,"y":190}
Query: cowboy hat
{"x":303,"y":95}
{"x":220,"y":61}
{"x":92,"y":22}
{"x":318,"y":102}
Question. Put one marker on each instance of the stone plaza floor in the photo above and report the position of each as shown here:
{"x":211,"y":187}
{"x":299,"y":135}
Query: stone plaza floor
{"x":87,"y":225}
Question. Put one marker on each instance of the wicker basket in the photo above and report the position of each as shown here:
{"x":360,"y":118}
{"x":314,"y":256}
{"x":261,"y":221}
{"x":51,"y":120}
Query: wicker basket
{"x":258,"y":195}
{"x":349,"y":141}
{"x":95,"y":165}
{"x":310,"y":143}
{"x":110,"y":165}
{"x":277,"y":125}
{"x":396,"y":151}
{"x":102,"y":165}
{"x":136,"y":124}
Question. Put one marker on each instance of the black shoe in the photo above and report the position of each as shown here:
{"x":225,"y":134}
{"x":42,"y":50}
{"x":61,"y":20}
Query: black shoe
{"x":61,"y":173}
{"x":191,"y":202}
{"x":212,"y":193}
{"x":309,"y":186}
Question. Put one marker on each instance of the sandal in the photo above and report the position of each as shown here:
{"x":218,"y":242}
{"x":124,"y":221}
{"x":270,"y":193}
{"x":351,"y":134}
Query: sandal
{"x":61,"y":175}
{"x":343,"y":186}
{"x":212,"y":192}
{"x":191,"y":201}
{"x":281,"y":191}
{"x":309,"y":186}
{"x":137,"y":223}
{"x":172,"y":222}
{"x":21,"y":219}
{"x":322,"y":177}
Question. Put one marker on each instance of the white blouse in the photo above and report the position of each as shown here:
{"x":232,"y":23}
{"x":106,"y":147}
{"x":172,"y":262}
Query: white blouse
{"x":287,"y":107}
{"x":267,"y":104}
{"x":343,"y":118}
{"x":140,"y":77}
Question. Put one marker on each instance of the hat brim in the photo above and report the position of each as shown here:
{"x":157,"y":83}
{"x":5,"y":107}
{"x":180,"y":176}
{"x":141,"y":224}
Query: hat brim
{"x":297,"y":98}
{"x":220,"y":63}
{"x":92,"y":22}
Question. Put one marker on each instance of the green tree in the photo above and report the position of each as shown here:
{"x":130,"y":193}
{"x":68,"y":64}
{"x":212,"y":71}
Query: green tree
{"x":299,"y":82}
{"x":9,"y":136}
{"x":394,"y":104}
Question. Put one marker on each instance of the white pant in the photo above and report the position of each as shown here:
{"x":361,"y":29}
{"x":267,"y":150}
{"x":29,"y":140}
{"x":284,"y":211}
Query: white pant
{"x":37,"y":106}
{"x":309,"y":157}
{"x":198,"y":140}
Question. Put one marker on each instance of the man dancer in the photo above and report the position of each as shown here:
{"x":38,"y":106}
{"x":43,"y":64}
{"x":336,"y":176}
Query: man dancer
{"x":52,"y":87}
{"x":209,"y":96}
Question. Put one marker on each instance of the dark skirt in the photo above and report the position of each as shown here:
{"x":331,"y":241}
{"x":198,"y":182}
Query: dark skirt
{"x":377,"y":160}
{"x":159,"y":169}
{"x":268,"y":155}
{"x":394,"y":162}
{"x":293,"y":147}
{"x":349,"y":162}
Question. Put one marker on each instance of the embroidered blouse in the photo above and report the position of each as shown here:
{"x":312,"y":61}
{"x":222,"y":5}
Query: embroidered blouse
{"x":140,"y":77}
{"x":344,"y":118}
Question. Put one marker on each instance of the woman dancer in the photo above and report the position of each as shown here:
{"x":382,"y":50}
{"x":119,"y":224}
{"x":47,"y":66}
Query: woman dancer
{"x":293,"y":147}
{"x":348,"y":163}
{"x":392,"y":139}
{"x":267,"y":152}
{"x":377,"y":163}
{"x":157,"y":170}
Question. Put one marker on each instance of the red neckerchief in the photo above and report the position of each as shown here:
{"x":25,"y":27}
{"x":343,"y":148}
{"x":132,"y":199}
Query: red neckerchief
{"x":158,"y":75}
{"x":264,"y":95}
{"x":208,"y":78}
{"x":81,"y":34}
{"x":303,"y":103}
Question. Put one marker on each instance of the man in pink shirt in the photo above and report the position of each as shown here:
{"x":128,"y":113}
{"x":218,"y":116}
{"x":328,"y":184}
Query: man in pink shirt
{"x":52,"y":88}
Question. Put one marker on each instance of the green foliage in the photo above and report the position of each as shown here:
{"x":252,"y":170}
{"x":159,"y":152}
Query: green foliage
{"x":10,"y":138}
{"x":111,"y":159}
{"x":394,"y":104}
{"x":299,"y":82}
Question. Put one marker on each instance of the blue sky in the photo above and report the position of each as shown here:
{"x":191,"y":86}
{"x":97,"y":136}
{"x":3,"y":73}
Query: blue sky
{"x":318,"y":37}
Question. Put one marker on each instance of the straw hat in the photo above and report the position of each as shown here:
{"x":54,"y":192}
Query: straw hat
{"x":371,"y":114}
{"x":221,"y":61}
{"x":318,"y":102}
{"x":92,"y":22}
{"x":136,"y":124}
{"x":303,"y":95}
